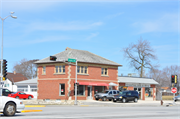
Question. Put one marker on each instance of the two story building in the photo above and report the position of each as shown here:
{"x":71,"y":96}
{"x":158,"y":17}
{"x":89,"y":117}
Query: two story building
{"x":56,"y":79}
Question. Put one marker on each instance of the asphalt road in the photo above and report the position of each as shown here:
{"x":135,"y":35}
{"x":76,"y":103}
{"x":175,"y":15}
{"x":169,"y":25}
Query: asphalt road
{"x":100,"y":112}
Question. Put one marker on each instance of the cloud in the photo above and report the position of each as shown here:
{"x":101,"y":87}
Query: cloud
{"x":166,"y":23}
{"x":62,"y":26}
{"x":92,"y":36}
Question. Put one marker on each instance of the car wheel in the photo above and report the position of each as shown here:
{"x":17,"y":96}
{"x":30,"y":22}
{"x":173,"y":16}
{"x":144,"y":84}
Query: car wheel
{"x":97,"y":99}
{"x":135,"y":100}
{"x":104,"y":99}
{"x":114,"y":100}
{"x":110,"y":99}
{"x":10,"y":109}
{"x":124,"y":100}
{"x":17,"y":97}
{"x":29,"y":97}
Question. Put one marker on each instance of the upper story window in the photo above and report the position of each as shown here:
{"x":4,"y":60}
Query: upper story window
{"x":82,"y":69}
{"x":104,"y":71}
{"x":44,"y":70}
{"x":60,"y":69}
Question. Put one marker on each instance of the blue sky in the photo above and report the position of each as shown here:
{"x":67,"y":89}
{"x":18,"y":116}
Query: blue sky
{"x":103,"y":27}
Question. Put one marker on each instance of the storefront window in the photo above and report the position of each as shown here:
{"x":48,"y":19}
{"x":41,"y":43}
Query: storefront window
{"x":122,"y":88}
{"x":98,"y":89}
{"x":61,"y":89}
{"x":80,"y":90}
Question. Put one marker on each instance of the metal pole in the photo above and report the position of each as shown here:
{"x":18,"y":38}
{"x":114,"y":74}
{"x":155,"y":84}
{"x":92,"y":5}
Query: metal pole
{"x":76,"y":86}
{"x":174,"y":98}
{"x":2,"y":54}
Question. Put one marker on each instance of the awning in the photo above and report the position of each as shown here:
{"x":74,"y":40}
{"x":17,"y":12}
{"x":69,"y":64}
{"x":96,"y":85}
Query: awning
{"x":112,"y":84}
{"x":93,"y":84}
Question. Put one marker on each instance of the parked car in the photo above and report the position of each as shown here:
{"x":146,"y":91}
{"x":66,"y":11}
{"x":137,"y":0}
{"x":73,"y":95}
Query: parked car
{"x":21,"y":95}
{"x":177,"y":98}
{"x":108,"y":94}
{"x":5,"y":92}
{"x":9,"y":106}
{"x":126,"y":96}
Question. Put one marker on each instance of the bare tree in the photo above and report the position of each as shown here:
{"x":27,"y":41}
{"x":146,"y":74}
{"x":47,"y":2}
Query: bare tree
{"x":27,"y":68}
{"x":140,"y":55}
{"x":163,"y":77}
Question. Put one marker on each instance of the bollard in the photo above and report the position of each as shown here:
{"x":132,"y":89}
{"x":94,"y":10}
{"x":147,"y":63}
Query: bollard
{"x":161,"y":102}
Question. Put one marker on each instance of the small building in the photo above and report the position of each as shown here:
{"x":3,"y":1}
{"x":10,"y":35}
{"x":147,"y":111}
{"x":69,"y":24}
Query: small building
{"x":12,"y":78}
{"x":28,"y":86}
{"x":56,"y":79}
{"x":146,"y":87}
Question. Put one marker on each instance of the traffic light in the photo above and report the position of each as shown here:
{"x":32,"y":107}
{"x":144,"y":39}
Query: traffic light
{"x":4,"y":69}
{"x":77,"y":84}
{"x":172,"y":78}
{"x":53,"y":58}
{"x":176,"y":79}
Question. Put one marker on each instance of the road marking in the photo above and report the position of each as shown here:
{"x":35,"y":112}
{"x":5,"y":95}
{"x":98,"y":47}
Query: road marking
{"x":35,"y":106}
{"x":24,"y":111}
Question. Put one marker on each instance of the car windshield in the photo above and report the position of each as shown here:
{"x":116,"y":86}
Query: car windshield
{"x":122,"y":93}
{"x":14,"y":92}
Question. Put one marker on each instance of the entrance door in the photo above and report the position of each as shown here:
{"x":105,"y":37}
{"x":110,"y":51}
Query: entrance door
{"x":89,"y":92}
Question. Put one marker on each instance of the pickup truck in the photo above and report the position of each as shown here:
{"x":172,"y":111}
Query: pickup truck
{"x":9,"y":106}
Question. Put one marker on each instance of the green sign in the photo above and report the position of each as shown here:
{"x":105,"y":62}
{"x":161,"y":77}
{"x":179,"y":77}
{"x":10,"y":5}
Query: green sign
{"x":71,"y":60}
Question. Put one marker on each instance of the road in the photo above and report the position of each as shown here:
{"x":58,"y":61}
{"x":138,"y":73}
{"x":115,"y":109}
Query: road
{"x":100,"y":112}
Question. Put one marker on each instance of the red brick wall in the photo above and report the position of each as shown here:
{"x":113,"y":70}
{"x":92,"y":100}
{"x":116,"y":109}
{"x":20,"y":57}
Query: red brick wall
{"x":48,"y":84}
{"x":122,"y":84}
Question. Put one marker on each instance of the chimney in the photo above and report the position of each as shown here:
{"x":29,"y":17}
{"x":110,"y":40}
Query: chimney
{"x":68,"y":48}
{"x":14,"y":72}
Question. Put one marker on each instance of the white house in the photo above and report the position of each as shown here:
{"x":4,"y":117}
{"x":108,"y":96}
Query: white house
{"x":28,"y":86}
{"x":12,"y":78}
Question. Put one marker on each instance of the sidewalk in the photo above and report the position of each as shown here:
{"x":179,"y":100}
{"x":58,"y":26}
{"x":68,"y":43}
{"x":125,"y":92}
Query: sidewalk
{"x":101,"y":103}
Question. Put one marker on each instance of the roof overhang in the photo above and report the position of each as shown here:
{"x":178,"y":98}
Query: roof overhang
{"x":137,"y":80}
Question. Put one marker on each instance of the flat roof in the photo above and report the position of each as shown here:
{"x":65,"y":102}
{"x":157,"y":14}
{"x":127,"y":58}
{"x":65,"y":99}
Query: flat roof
{"x":137,"y":80}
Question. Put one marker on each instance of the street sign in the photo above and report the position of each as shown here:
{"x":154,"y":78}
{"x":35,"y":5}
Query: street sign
{"x":1,"y":83}
{"x":71,"y":60}
{"x":173,"y":90}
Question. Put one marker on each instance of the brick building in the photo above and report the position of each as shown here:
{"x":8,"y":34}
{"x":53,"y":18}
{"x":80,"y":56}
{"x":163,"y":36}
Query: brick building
{"x":56,"y":79}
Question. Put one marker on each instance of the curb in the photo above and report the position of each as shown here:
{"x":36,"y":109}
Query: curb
{"x":35,"y":106}
{"x":24,"y":111}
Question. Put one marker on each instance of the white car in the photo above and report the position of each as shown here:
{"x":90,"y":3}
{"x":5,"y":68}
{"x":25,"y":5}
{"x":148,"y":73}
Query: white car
{"x":9,"y":106}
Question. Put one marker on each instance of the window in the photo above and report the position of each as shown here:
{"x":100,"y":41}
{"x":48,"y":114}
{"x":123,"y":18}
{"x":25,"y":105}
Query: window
{"x":110,"y":93}
{"x":60,"y":69}
{"x":22,"y":88}
{"x":6,"y":85}
{"x":114,"y":92}
{"x":44,"y":70}
{"x":129,"y":93}
{"x":104,"y":71}
{"x":80,"y":90}
{"x":61,"y":89}
{"x":33,"y":88}
{"x":82,"y":69}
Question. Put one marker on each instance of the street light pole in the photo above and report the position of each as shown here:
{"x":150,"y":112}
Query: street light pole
{"x":2,"y":44}
{"x":76,"y":86}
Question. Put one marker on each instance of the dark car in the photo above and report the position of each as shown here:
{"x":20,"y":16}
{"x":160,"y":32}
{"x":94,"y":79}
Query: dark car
{"x":126,"y":96}
{"x":6,"y":92}
{"x":177,"y":98}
